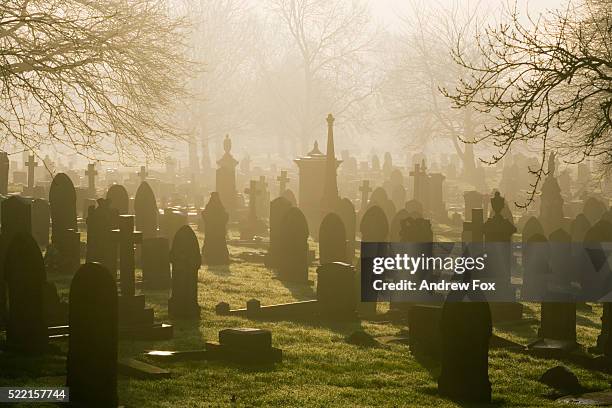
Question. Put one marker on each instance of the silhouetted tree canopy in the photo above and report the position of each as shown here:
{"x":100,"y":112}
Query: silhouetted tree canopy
{"x":96,"y":76}
{"x":547,"y":81}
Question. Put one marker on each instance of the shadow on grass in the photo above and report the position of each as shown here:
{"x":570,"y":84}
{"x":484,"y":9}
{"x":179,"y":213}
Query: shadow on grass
{"x":219,"y":270}
{"x":495,"y":402}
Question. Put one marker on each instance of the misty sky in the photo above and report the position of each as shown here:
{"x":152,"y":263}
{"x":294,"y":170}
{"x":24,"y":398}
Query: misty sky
{"x":387,"y":11}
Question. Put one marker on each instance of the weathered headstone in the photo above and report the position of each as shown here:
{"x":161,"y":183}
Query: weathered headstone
{"x":93,"y":342}
{"x":346,"y":210}
{"x":551,"y":204}
{"x":64,"y":232}
{"x":293,"y":260}
{"x":127,"y":238}
{"x":119,"y":198}
{"x":145,"y":210}
{"x":332,"y":239}
{"x":186,"y":260}
{"x":91,"y":174}
{"x":466,"y":329}
{"x":396,"y":224}
{"x":101,"y":248}
{"x":374,"y":226}
{"x":214,"y":250}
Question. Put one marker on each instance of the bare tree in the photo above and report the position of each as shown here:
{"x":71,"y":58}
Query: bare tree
{"x":99,"y":77}
{"x":547,"y":81}
{"x":332,"y":41}
{"x":420,"y":63}
{"x":221,"y":41}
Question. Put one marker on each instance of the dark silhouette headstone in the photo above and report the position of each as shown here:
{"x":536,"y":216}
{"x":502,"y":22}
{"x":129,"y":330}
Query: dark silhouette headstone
{"x":186,"y":261}
{"x":594,"y":209}
{"x":64,"y":232}
{"x":374,"y":226}
{"x":396,"y":224}
{"x":214,"y":250}
{"x":293,"y":261}
{"x":145,"y":210}
{"x":26,"y":326}
{"x":346,"y":210}
{"x":332,"y":239}
{"x":119,"y":198}
{"x":278,"y":209}
{"x":93,"y":342}
{"x":466,"y":329}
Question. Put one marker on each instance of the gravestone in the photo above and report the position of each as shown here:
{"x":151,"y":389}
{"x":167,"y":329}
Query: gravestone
{"x":278,"y":209}
{"x":64,"y":232}
{"x":186,"y":261}
{"x":91,"y":367}
{"x":171,"y":221}
{"x":293,"y":260}
{"x":473,"y":200}
{"x":26,"y":326}
{"x":332,"y":240}
{"x":466,"y":329}
{"x":91,"y":174}
{"x":374,"y":226}
{"x":531,"y":228}
{"x":290,"y":196}
{"x":214,"y":250}
{"x":101,"y":221}
{"x":593,"y":210}
{"x":498,"y":233}
{"x":226,"y":178}
{"x":41,"y":221}
{"x":346,"y":211}
{"x":31,"y":164}
{"x":145,"y":210}
{"x":119,"y":198}
{"x":336,"y":291}
{"x":252,"y":225}
{"x":551,"y":201}
{"x":379,"y":197}
{"x":536,"y":269}
{"x":579,"y":227}
{"x":127,"y":238}
{"x":156,"y":263}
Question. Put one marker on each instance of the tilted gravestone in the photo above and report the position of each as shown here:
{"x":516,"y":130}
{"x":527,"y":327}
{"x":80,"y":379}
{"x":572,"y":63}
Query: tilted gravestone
{"x":293,"y":261}
{"x":119,"y":198}
{"x":278,"y":209}
{"x":93,"y":341}
{"x":145,"y":210}
{"x":64,"y":232}
{"x":26,"y":326}
{"x":214,"y":250}
{"x":332,"y":239}
{"x":466,"y":329}
{"x":186,"y":261}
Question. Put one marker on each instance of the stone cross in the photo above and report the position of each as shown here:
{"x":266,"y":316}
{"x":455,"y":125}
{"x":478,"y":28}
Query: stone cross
{"x":283,"y":180}
{"x":365,"y":191}
{"x":127,"y":238}
{"x":252,"y":191}
{"x":31,"y":164}
{"x":91,"y":174}
{"x":143,"y":173}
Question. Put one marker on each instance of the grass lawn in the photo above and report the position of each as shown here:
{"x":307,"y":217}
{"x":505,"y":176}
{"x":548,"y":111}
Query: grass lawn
{"x":318,"y":370}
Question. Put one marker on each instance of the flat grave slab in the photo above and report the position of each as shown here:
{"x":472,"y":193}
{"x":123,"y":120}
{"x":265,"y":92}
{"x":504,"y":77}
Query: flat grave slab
{"x":138,"y":369}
